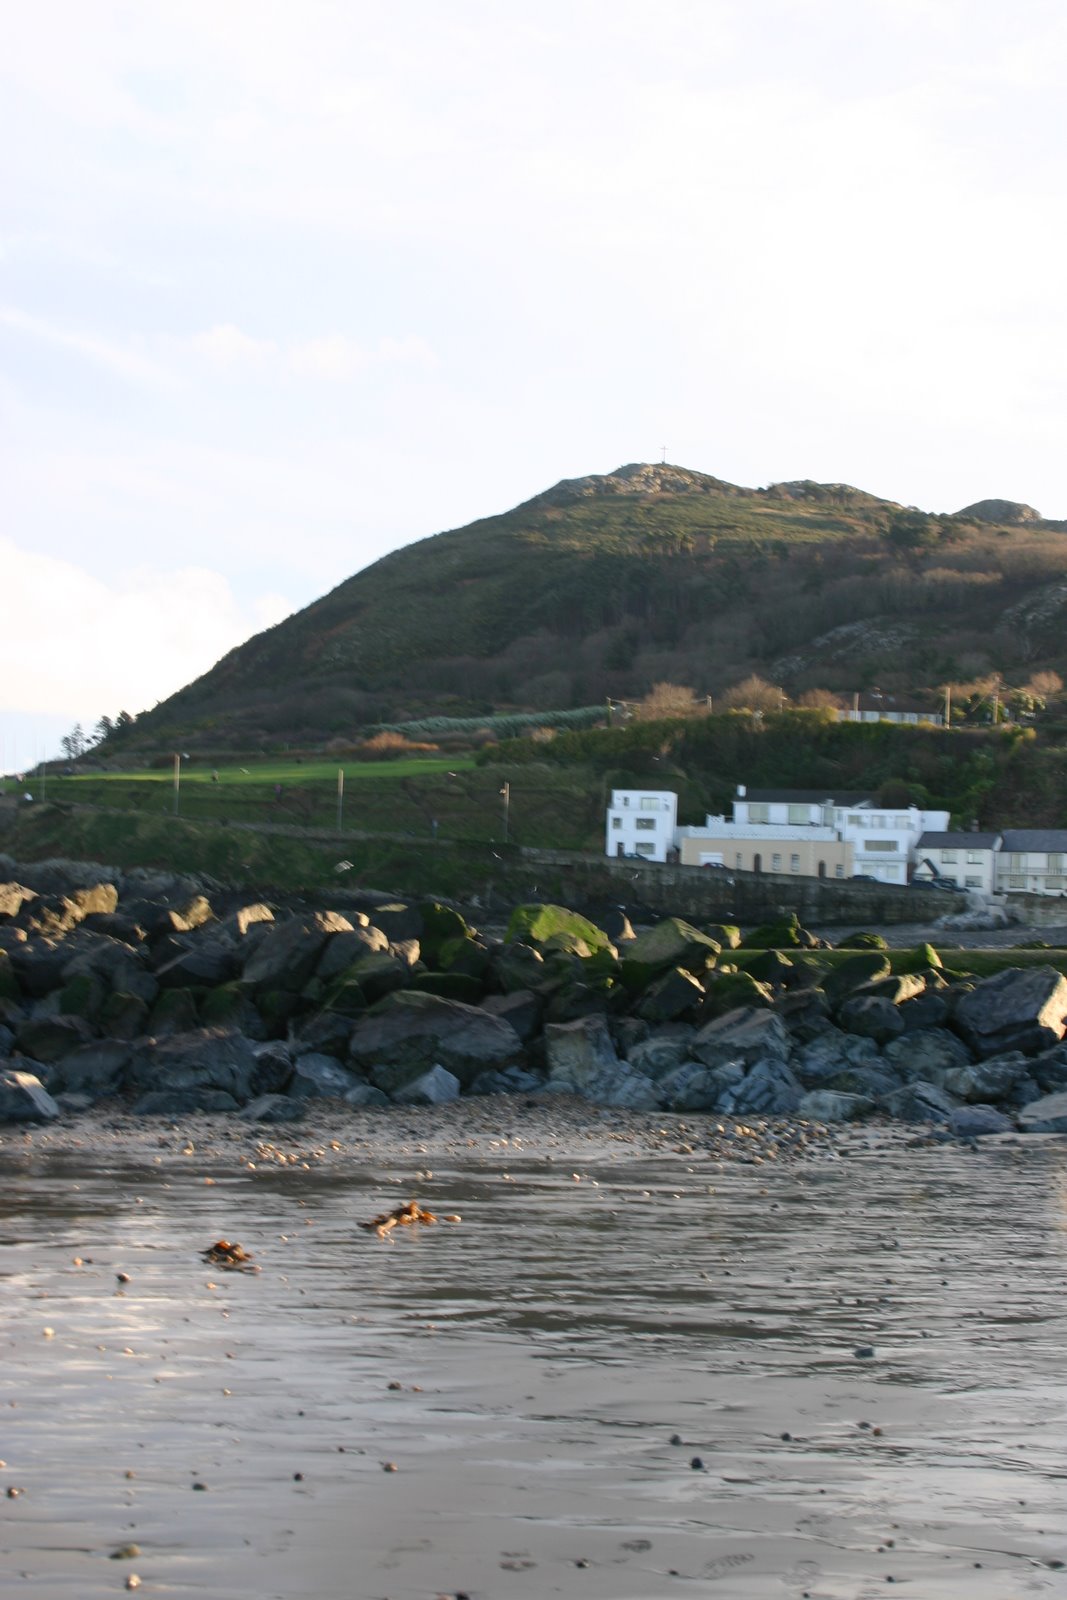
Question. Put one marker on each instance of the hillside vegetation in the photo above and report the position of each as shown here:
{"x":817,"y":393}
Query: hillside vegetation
{"x":604,"y":586}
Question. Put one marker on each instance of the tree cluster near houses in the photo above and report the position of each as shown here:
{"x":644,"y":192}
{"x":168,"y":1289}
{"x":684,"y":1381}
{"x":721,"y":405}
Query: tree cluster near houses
{"x":844,"y":834}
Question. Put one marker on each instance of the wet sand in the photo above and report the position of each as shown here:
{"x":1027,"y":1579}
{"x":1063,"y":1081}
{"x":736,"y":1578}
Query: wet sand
{"x":631,"y":1370}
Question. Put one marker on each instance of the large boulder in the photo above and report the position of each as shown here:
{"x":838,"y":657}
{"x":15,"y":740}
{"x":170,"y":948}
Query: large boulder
{"x":539,"y":925}
{"x":438,"y":1087}
{"x":671,"y":943}
{"x":831,"y":1105}
{"x":971,"y":1122}
{"x":50,"y":1038}
{"x":990,"y":1080}
{"x":747,"y":1035}
{"x":676,"y":994}
{"x":96,"y":1069}
{"x":208,"y":1059}
{"x":691,"y":1086}
{"x":854,"y":973}
{"x":1022,"y":1008}
{"x":920,"y":1102}
{"x":580,"y":1056}
{"x":768,"y":1089}
{"x":820,"y":1060}
{"x":1047,"y":1115}
{"x":871,"y":1017}
{"x":662,"y":1051}
{"x":407,"y":1033}
{"x":23,"y":1098}
{"x":316,"y":1076}
{"x":927,"y":1054}
{"x":522,"y":1008}
{"x":288,"y":955}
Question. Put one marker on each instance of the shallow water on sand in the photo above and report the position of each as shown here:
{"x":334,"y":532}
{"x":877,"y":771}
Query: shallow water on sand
{"x":563,"y":1356}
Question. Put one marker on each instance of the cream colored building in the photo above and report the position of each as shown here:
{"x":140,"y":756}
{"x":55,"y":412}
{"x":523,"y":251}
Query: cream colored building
{"x":804,"y":852}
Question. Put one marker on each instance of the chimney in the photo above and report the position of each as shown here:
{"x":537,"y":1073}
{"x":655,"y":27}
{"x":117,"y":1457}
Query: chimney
{"x":741,"y":791}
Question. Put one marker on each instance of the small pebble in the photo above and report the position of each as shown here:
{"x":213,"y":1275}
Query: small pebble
{"x":200,"y":1486}
{"x":125,"y":1552}
{"x":394,"y":1385}
{"x":13,"y":1493}
{"x":389,"y":1466}
{"x":864,"y":1352}
{"x":697,"y":1464}
{"x":122,"y":1277}
{"x":133,"y":1581}
{"x":298,"y":1477}
{"x":676,"y":1438}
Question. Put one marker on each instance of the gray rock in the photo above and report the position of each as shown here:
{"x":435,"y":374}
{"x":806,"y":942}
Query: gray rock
{"x":183,"y":1102}
{"x":208,"y":964}
{"x":50,"y":1038}
{"x":522,"y":1008}
{"x":872,"y":1017}
{"x":982,"y":1081}
{"x":346,"y":948}
{"x":1047,"y":1115}
{"x":920,"y":1102}
{"x":273,"y":1069}
{"x":434,"y":1088}
{"x":95,"y":1070}
{"x":674,"y":995}
{"x":512,"y":1080}
{"x":747,"y":1034}
{"x":289,"y":954}
{"x":408,"y":1033}
{"x":831,"y":1053}
{"x":852,"y":973}
{"x":1022,"y":1008}
{"x":206,"y":1059}
{"x":662,"y":1051}
{"x":768,"y":1089}
{"x":870,"y":1082}
{"x":365,"y":1094}
{"x":826,"y":1105}
{"x":274,"y":1108}
{"x":969,"y":1122}
{"x":23,"y":1098}
{"x":1050,"y":1070}
{"x":927,"y":1010}
{"x":580,"y":1055}
{"x":927,"y":1054}
{"x":316,"y":1076}
{"x":694,"y":1087}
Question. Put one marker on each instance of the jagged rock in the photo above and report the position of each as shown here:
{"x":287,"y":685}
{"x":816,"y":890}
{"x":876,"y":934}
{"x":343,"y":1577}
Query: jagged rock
{"x":925,"y":1011}
{"x":230,"y":1007}
{"x":23,"y":1098}
{"x":828,"y":1105}
{"x":317,"y":1075}
{"x":124,"y":1016}
{"x":629,"y":1091}
{"x":289,"y":954}
{"x":727,"y":935}
{"x":38,"y":965}
{"x":992,"y":1079}
{"x":362,"y":1095}
{"x":326,"y":1032}
{"x":450,"y":985}
{"x":512,"y":1080}
{"x":434,"y":1088}
{"x":830,"y":1053}
{"x":969,"y":1122}
{"x":670,"y":997}
{"x":1021,"y":1008}
{"x":96,"y":1070}
{"x":437,"y":923}
{"x":516,"y":966}
{"x":616,"y":925}
{"x":522,"y":1008}
{"x":771,"y":967}
{"x":1050,"y":1070}
{"x":13,"y":896}
{"x":691,"y":1086}
{"x":52,"y":1038}
{"x":852,"y":973}
{"x":920,"y":1102}
{"x":174,"y":1012}
{"x":469,"y":956}
{"x":671,"y":943}
{"x":747,"y":1035}
{"x":273,"y":1069}
{"x":921,"y":959}
{"x":378,"y":973}
{"x":927,"y":1055}
{"x":207,"y":964}
{"x":863,"y":941}
{"x":580,"y":1055}
{"x":206,"y":1059}
{"x":345,"y":949}
{"x":898,"y":988}
{"x":871,"y":1017}
{"x":1047,"y":1115}
{"x":542,"y":924}
{"x":238,"y":923}
{"x":274,"y":1108}
{"x":83,"y":996}
{"x":577,"y":999}
{"x":768,"y":1089}
{"x":407,"y":1033}
{"x":662,"y":1051}
{"x":805,"y":1012}
{"x":872,"y":1082}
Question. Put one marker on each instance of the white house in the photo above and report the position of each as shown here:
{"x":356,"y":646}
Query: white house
{"x":1032,"y":859}
{"x":879,"y":707}
{"x":883,"y":838}
{"x":642,"y":822}
{"x":967,"y":859}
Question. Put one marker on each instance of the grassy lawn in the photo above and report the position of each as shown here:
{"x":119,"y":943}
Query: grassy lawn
{"x":418,"y":798}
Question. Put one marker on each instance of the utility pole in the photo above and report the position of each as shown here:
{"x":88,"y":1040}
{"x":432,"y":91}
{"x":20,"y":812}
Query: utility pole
{"x":506,"y":792}
{"x":340,"y":797}
{"x":663,"y":455}
{"x":177,"y":781}
{"x":948,"y":705}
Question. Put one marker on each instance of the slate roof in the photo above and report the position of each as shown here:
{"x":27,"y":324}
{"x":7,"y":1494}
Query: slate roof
{"x":1034,"y":839}
{"x":959,"y":841}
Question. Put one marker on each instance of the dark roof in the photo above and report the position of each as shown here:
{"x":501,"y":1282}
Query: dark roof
{"x":1035,"y":839}
{"x":958,"y":841}
{"x":817,"y":797}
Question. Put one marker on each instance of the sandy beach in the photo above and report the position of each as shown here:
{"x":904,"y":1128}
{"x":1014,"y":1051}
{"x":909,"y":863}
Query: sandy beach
{"x":651,"y":1359}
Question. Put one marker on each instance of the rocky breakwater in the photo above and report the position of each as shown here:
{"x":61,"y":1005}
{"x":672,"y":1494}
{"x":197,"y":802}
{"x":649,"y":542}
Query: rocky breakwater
{"x":171,"y":996}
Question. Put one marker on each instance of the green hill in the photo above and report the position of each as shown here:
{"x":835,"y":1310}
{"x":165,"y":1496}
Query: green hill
{"x":604,"y":585}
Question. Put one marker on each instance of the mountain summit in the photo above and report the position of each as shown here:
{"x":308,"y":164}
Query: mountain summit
{"x":603,"y":585}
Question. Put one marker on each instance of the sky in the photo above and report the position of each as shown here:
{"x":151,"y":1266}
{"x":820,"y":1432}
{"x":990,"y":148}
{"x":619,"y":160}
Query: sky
{"x":287,"y":284}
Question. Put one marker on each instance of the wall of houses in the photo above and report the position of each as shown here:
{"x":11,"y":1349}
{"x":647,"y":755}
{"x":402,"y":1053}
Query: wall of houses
{"x":641,"y":822}
{"x":766,"y":850}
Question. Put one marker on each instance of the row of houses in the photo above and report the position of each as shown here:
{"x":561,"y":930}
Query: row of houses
{"x":847,"y":834}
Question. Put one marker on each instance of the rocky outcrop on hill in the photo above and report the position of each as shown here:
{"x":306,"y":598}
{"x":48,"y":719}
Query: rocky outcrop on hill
{"x":172,"y":996}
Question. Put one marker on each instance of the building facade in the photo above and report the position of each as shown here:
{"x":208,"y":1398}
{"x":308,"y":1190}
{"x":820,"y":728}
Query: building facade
{"x":642,"y":822}
{"x":969,"y":860}
{"x":1033,"y":860}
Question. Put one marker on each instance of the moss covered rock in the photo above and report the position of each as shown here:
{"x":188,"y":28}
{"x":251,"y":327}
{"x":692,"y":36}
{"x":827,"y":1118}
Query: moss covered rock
{"x":537,"y":925}
{"x":671,"y":943}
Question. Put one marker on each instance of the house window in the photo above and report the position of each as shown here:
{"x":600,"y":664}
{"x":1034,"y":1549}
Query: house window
{"x":645,"y":849}
{"x":880,"y":844}
{"x":738,"y":858}
{"x":855,"y":822}
{"x":799,"y":814}
{"x":1014,"y":863}
{"x":650,"y":803}
{"x":1055,"y":861}
{"x":794,"y":863}
{"x":972,"y":883}
{"x":1016,"y":883}
{"x":974,"y":858}
{"x":759,"y":812}
{"x":839,"y":871}
{"x":949,"y":857}
{"x":626,"y":799}
{"x":616,"y":822}
{"x":1056,"y":882}
{"x":645,"y":822}
{"x":776,"y":862}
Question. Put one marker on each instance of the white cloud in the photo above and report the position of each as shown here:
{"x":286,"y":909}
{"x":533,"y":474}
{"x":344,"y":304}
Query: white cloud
{"x":121,"y":359}
{"x":227,"y":346}
{"x":76,"y":646}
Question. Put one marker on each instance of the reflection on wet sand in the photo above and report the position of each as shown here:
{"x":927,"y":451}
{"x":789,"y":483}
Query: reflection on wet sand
{"x":619,"y":1378}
